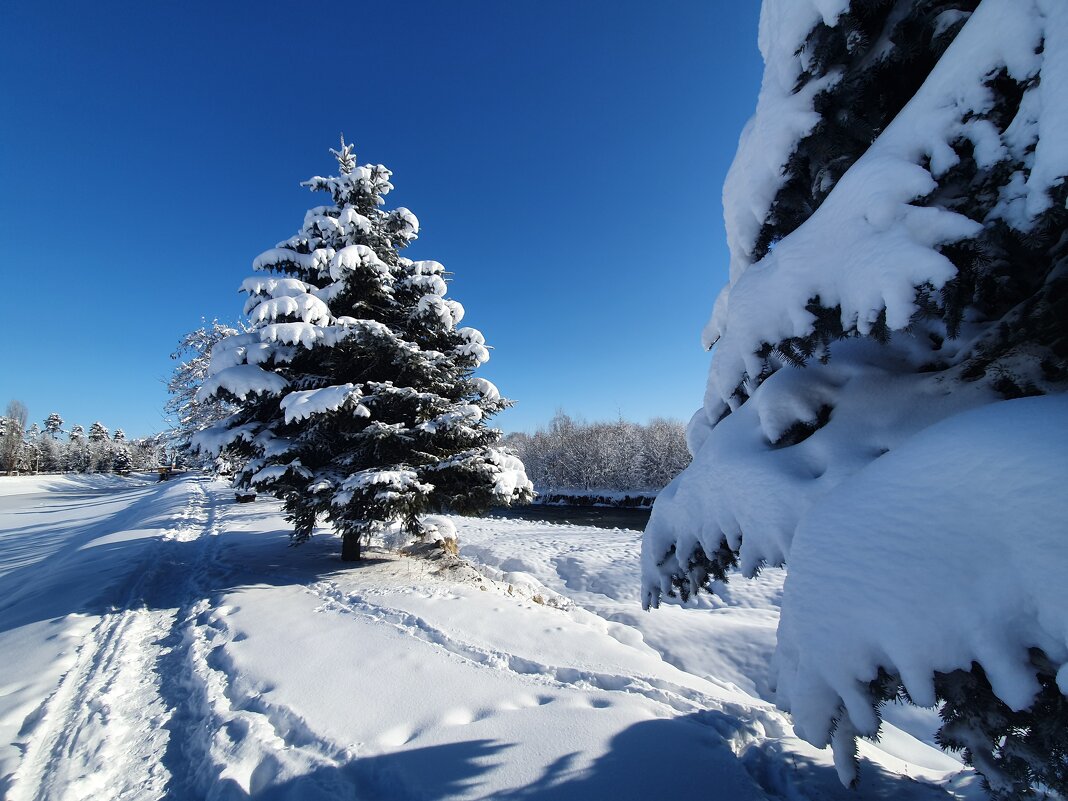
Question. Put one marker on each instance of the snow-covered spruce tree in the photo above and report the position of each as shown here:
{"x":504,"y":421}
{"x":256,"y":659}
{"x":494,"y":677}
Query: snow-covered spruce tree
{"x":121,"y":459}
{"x":902,"y":189}
{"x":101,"y":453}
{"x":356,"y":399}
{"x":76,"y":456}
{"x":54,"y":425}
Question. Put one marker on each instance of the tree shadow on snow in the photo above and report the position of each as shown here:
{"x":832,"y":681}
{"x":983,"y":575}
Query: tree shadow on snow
{"x":690,"y":757}
{"x":680,"y":757}
{"x":431,"y":773}
{"x":148,"y":555}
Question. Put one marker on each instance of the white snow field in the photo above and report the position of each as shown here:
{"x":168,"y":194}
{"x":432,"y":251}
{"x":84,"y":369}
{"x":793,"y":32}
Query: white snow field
{"x":160,"y":641}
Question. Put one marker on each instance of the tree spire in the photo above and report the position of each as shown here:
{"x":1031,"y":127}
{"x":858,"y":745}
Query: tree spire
{"x":346,"y":159}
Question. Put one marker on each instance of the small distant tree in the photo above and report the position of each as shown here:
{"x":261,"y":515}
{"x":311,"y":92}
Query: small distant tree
{"x":355,"y":394}
{"x":52,"y":452}
{"x":11,"y":437}
{"x":34,"y":448}
{"x":53,"y":425}
{"x":188,"y":414}
{"x":147,"y":453}
{"x":122,"y":462}
{"x":76,"y":458}
{"x":101,"y":453}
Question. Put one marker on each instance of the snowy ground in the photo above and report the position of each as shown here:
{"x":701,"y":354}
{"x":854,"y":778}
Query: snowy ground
{"x":159,"y":641}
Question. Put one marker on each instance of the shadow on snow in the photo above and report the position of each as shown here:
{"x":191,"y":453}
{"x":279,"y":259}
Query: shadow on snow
{"x":681,"y":757}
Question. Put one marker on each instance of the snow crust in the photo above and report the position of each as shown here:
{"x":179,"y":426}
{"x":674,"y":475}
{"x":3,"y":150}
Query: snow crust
{"x":457,"y":417}
{"x":270,"y":286}
{"x":487,"y":389}
{"x":782,"y":117}
{"x":279,"y":258}
{"x":511,"y":475}
{"x":438,"y":527}
{"x":475,"y":345}
{"x":307,"y":308}
{"x":949,"y":550}
{"x":276,"y":471}
{"x":214,"y":440}
{"x":355,"y":257}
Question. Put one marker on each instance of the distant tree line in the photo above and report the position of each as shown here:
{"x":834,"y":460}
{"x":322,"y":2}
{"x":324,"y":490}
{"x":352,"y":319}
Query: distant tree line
{"x":51,"y":448}
{"x":620,"y":456}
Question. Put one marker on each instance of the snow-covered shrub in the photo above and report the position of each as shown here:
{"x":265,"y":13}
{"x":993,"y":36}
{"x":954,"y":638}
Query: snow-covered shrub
{"x":897,"y":224}
{"x":187,"y":414}
{"x":12,"y":431}
{"x":572,"y":455}
{"x":354,"y":386}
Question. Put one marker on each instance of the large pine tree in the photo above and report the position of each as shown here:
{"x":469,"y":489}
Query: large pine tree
{"x":356,"y":397}
{"x":897,"y":220}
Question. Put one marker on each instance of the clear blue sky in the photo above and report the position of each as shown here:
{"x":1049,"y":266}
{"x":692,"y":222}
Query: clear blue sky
{"x":565,"y":160}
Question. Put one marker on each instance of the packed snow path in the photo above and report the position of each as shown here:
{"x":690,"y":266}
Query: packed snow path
{"x":159,"y":641}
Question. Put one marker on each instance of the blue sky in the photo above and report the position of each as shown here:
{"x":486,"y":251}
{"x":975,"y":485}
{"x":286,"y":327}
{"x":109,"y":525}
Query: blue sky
{"x":565,"y":160}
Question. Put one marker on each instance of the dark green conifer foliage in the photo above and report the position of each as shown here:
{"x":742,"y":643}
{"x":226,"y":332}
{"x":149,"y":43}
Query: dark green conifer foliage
{"x":1014,"y":281}
{"x":363,"y":408}
{"x":1009,"y":297}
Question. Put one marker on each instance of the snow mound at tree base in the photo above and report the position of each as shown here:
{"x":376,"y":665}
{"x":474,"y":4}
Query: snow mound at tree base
{"x":948,"y":551}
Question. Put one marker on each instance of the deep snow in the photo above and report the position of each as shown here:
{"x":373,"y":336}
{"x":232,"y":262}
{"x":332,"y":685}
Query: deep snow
{"x":161,"y":641}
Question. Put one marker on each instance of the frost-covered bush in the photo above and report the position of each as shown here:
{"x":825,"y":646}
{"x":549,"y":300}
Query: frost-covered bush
{"x":187,"y":414}
{"x":620,"y":456}
{"x":897,"y":224}
{"x":12,"y":431}
{"x":354,"y":386}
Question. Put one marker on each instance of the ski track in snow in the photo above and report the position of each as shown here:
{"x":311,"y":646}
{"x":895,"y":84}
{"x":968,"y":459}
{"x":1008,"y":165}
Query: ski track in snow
{"x":112,"y":688}
{"x":149,"y":709}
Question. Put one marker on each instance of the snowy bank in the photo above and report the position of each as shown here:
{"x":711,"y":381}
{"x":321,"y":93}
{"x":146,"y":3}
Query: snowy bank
{"x":162,"y":641}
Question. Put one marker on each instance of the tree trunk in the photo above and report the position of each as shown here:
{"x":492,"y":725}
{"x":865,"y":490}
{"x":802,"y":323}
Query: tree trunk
{"x":350,"y":547}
